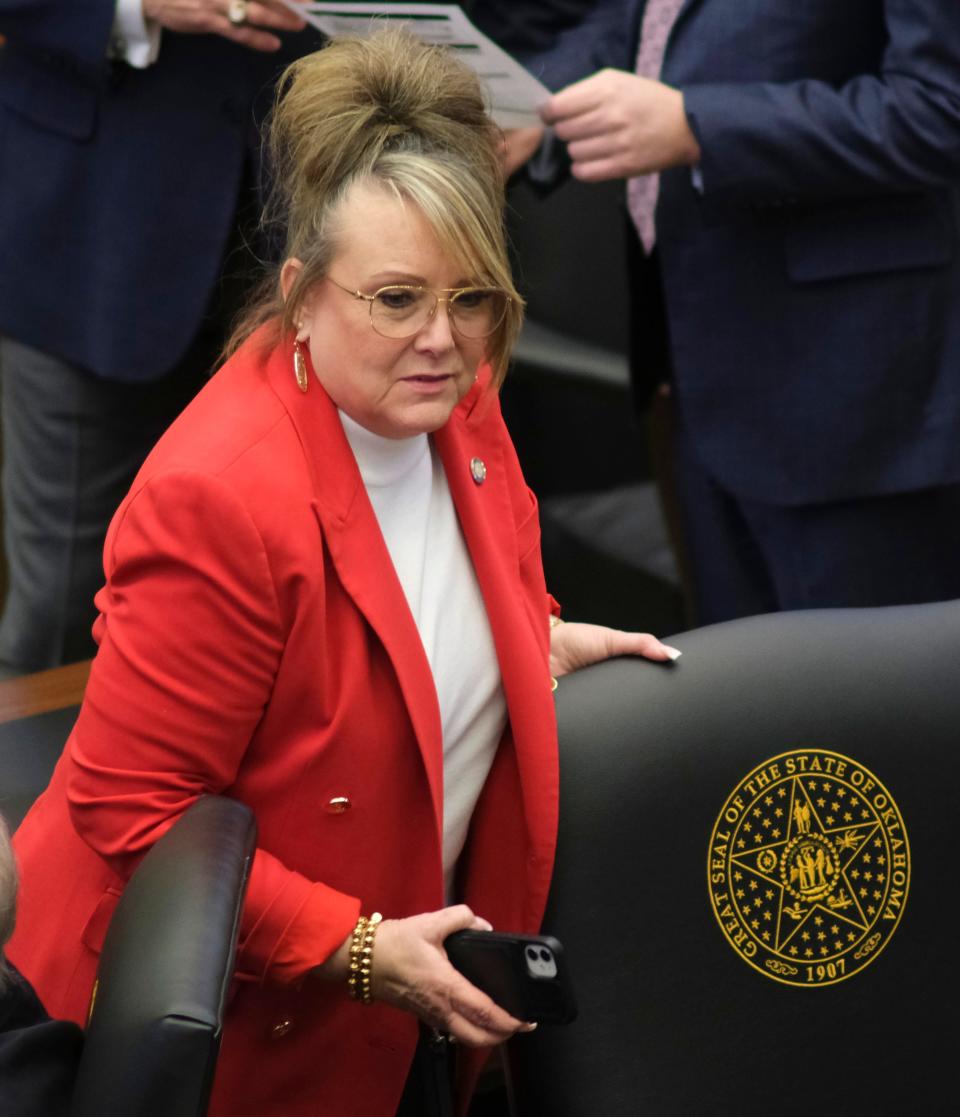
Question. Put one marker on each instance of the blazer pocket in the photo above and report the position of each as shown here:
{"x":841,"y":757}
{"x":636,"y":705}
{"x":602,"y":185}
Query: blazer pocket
{"x":95,"y":929}
{"x":894,"y":234}
{"x":528,"y":530}
{"x":46,"y":90}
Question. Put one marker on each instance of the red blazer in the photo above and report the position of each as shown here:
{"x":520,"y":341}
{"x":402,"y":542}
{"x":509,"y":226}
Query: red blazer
{"x":255,"y":641}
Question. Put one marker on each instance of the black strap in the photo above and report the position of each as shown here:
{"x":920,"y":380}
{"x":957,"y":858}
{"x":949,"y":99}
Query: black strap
{"x":429,"y":1088}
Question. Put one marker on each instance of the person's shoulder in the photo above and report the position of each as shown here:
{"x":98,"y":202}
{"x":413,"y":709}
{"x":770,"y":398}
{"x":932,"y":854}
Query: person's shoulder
{"x":38,"y":1056}
{"x":235,"y":448}
{"x":234,"y":412}
{"x":237,"y":429}
{"x":19,"y":1005}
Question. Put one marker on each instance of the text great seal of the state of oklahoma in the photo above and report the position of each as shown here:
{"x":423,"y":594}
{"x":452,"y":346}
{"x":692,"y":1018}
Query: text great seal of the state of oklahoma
{"x":809,"y":867}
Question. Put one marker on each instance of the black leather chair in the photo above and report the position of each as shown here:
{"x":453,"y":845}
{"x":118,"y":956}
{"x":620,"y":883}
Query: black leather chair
{"x":166,"y":965}
{"x":685,"y":1008}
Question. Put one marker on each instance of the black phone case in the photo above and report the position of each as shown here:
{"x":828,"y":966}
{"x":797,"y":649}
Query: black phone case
{"x":495,"y":963}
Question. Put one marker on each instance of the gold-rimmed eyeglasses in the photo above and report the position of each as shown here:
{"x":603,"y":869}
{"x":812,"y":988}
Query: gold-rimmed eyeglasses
{"x":401,"y":310}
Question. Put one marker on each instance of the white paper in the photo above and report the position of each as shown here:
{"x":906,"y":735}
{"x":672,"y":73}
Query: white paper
{"x":515,"y":93}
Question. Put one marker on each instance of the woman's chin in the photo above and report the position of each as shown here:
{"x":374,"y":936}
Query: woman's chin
{"x":421,"y":412}
{"x":410,"y":421}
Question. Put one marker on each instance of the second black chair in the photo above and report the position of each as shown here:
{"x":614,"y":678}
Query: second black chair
{"x":756,"y":874}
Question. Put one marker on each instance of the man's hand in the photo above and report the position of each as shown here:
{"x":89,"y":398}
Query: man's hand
{"x":209,"y":17}
{"x":619,"y":125}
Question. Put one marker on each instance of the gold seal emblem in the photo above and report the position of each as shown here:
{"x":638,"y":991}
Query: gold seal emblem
{"x":809,"y":867}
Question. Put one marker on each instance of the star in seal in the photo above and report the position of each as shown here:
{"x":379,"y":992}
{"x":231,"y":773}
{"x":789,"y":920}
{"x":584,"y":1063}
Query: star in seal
{"x":809,"y":867}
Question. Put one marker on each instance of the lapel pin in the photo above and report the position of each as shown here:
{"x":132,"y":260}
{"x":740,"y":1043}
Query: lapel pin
{"x":478,"y":471}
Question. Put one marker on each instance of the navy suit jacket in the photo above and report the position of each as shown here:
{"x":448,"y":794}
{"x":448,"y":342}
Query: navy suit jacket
{"x":813,"y":285}
{"x":119,"y":187}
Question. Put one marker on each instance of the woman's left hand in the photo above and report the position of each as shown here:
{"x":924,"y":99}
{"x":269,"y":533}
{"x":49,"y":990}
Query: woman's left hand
{"x":573,"y":646}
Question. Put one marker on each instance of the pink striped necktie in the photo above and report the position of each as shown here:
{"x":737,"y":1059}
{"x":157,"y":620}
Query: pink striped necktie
{"x":658,"y":20}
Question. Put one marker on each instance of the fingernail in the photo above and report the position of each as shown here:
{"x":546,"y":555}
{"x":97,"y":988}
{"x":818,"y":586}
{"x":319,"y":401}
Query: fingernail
{"x":529,"y":1028}
{"x":673,"y":653}
{"x":484,"y":925}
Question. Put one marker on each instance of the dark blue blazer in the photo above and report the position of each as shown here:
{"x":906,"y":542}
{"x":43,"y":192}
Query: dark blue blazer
{"x":118,"y":187}
{"x":813,"y":286}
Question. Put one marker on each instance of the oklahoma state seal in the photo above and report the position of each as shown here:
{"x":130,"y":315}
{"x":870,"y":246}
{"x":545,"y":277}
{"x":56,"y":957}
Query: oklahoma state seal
{"x":809,"y":867}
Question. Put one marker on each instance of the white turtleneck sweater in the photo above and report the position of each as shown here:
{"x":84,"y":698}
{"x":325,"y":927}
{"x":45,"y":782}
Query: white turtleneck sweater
{"x":408,"y":489}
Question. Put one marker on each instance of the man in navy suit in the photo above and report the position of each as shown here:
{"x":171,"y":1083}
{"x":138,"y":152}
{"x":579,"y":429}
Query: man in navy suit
{"x":806,"y":235}
{"x":128,"y":148}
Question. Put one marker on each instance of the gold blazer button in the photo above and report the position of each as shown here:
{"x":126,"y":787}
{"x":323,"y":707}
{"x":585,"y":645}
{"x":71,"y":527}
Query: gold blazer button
{"x":280,"y":1029}
{"x":338,"y":804}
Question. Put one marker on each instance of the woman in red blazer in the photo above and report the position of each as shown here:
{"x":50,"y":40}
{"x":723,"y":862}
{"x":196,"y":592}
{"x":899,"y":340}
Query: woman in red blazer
{"x":257,"y":640}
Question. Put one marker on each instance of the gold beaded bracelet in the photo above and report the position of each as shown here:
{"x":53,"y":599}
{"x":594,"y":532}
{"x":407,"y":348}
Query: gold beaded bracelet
{"x":361,"y":958}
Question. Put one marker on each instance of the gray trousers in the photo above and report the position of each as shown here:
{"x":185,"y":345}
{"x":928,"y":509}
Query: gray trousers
{"x":72,"y":443}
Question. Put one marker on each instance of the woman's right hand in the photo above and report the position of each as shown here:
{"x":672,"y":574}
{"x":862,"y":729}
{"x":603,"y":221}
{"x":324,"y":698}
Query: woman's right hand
{"x":411,"y":972}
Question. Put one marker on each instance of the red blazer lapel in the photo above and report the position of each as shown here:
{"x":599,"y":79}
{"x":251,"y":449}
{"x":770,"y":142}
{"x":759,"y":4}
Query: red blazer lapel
{"x":489,"y":523}
{"x":361,"y":558}
{"x":519,"y":628}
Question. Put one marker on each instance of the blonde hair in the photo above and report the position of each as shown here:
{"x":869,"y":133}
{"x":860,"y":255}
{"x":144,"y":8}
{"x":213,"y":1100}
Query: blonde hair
{"x":409,"y":117}
{"x":8,"y":897}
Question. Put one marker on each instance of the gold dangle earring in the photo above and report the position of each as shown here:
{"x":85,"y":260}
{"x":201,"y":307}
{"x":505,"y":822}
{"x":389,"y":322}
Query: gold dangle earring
{"x":300,"y":365}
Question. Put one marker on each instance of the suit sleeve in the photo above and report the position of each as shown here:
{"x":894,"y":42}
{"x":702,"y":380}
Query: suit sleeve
{"x":897,"y":129}
{"x":78,"y":29}
{"x":560,"y":41}
{"x":190,"y":639}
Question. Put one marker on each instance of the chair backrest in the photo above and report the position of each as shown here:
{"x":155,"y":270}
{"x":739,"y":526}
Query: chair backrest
{"x":756,"y":874}
{"x":166,"y":965}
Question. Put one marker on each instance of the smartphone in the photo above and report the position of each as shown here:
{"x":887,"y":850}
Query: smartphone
{"x":525,"y":974}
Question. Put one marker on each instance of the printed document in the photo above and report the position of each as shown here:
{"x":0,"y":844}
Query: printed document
{"x":515,"y":93}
